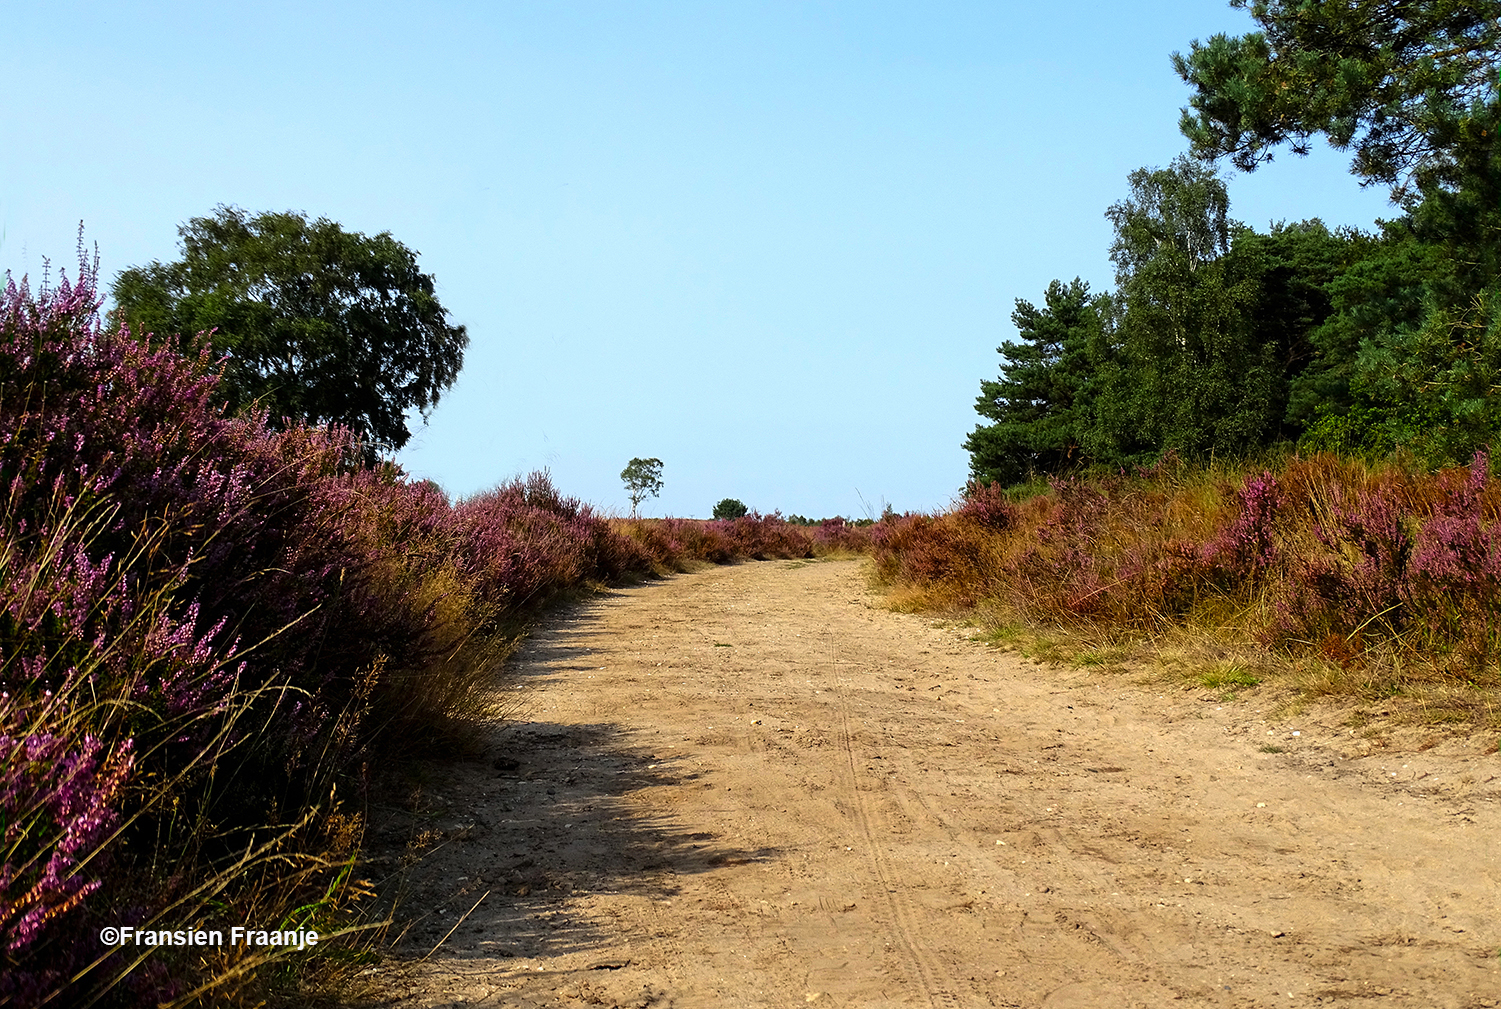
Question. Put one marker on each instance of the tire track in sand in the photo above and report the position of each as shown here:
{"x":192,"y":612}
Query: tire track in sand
{"x":924,"y":966}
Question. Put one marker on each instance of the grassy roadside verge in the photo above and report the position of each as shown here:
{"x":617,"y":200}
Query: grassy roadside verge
{"x":1369,"y":588}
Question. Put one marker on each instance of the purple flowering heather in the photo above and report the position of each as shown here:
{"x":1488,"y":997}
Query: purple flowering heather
{"x":988,"y":506}
{"x":59,"y":795}
{"x":166,"y":570}
{"x":1456,"y":568}
{"x":1245,"y":546}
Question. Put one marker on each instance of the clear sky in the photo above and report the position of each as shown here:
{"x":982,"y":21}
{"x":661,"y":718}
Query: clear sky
{"x":773,"y":244}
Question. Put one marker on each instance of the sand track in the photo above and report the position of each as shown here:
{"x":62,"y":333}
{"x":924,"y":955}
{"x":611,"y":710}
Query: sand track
{"x":752,"y":786}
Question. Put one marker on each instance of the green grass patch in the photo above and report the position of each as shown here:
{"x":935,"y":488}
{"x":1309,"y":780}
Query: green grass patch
{"x":1230,"y":676}
{"x":1005,"y":635}
{"x":1110,"y":655}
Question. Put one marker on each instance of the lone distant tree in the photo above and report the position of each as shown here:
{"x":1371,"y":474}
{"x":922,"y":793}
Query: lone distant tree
{"x":730,"y":508}
{"x":643,"y":479}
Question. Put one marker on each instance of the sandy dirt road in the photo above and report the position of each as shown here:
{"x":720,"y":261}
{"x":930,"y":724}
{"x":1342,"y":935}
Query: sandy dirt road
{"x":753,"y":786}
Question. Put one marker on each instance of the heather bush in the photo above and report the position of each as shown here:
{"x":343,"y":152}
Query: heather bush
{"x":1393,"y":554}
{"x":762,"y":537}
{"x":1456,"y":567}
{"x":526,"y":542}
{"x":941,"y":555}
{"x":207,"y":627}
{"x":153,"y":551}
{"x":837,"y":536}
{"x":1244,"y":547}
{"x":1335,"y":556}
{"x":670,"y":544}
{"x":988,"y":506}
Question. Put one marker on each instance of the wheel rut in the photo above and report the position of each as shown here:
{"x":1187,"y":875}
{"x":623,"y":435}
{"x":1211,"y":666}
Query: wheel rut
{"x":926,"y":970}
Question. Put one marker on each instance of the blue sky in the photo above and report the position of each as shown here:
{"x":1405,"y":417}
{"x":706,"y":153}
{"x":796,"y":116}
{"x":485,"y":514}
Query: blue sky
{"x":773,"y":244}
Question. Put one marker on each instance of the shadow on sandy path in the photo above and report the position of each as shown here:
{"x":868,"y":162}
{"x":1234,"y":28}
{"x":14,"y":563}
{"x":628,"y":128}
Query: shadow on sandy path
{"x":519,"y":840}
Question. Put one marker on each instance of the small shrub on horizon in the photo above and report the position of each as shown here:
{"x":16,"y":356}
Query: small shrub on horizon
{"x":730,"y":508}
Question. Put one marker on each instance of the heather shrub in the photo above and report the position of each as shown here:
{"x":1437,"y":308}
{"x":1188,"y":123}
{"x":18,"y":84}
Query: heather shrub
{"x":1455,"y":566}
{"x":988,"y":506}
{"x":837,"y":536}
{"x":152,"y":552}
{"x":763,"y":537}
{"x":1244,"y":547}
{"x":952,"y":561}
{"x":208,"y":627}
{"x":674,"y":543}
{"x":524,"y":543}
{"x":1331,"y":555}
{"x":671,"y":544}
{"x":62,"y":772}
{"x":1118,"y":550}
{"x":1395,"y":553}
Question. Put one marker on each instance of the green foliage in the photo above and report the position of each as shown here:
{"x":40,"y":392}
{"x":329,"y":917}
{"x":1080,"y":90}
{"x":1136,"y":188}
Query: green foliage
{"x":732,"y":508}
{"x":1415,"y":90}
{"x":1222,"y":341}
{"x":1434,"y":389}
{"x":1376,"y":286}
{"x":1227,"y":675}
{"x":1294,"y":266}
{"x":1189,"y":372}
{"x":643,"y":479}
{"x":1459,"y":201}
{"x":1041,"y":405}
{"x":1211,"y":326}
{"x":319,"y":324}
{"x":1406,"y":355}
{"x":1410,"y":86}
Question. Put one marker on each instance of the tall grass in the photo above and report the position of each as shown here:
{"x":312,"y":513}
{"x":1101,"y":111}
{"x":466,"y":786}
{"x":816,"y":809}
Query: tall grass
{"x":1355,"y":562}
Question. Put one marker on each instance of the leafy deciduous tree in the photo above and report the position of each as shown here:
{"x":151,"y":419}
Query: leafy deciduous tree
{"x":1188,"y":372}
{"x":319,"y":324}
{"x":643,"y":479}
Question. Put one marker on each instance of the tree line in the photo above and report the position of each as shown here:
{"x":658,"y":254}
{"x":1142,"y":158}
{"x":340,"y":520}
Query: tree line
{"x":1219,"y":340}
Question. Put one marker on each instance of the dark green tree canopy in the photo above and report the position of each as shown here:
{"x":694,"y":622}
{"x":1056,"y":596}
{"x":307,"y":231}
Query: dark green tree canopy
{"x":1409,"y":84}
{"x":1040,"y":407}
{"x":318,"y":323}
{"x":730,"y":508}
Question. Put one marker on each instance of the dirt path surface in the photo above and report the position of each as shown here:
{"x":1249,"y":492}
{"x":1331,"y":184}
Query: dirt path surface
{"x":753,"y":786}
